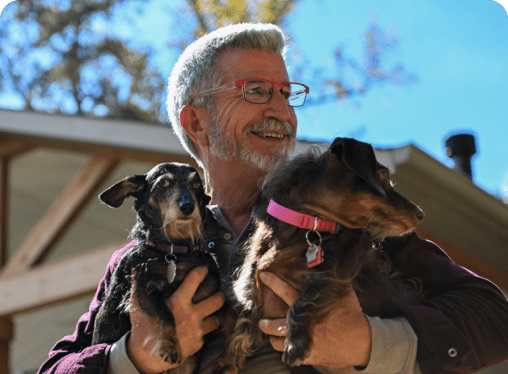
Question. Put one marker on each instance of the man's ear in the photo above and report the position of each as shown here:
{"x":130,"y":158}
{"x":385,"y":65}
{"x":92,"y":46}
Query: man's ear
{"x":195,"y":122}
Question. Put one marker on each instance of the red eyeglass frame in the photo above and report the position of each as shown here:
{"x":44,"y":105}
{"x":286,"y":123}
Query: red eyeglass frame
{"x":241,"y":83}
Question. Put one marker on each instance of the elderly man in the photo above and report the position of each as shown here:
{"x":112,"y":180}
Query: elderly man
{"x":231,"y":102}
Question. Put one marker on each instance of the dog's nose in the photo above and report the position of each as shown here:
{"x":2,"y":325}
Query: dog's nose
{"x":420,"y":215}
{"x":186,"y":207}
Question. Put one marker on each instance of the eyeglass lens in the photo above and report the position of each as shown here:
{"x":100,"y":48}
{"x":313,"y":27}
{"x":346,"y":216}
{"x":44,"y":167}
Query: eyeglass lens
{"x":259,"y":92}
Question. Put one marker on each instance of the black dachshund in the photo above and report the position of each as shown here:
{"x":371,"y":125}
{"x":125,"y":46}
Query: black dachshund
{"x":170,"y":229}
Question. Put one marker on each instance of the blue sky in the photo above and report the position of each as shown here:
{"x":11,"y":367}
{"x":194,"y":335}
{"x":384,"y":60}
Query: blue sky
{"x":458,"y":49}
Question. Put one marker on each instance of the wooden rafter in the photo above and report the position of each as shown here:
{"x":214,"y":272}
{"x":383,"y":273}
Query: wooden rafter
{"x":59,"y":218}
{"x":59,"y":281}
{"x":10,"y":147}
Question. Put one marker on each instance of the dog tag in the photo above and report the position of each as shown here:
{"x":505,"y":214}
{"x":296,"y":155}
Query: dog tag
{"x":314,"y":255}
{"x":171,"y":269}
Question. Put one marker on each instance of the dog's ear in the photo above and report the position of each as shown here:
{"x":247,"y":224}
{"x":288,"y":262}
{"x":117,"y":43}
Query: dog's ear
{"x":359,"y":158}
{"x":206,"y":198}
{"x":203,"y":200}
{"x":130,"y":186}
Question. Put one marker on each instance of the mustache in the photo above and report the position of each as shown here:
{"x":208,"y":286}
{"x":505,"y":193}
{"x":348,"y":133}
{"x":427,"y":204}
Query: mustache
{"x":271,"y":124}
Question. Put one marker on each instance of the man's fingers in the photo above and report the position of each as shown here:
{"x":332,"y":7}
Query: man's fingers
{"x":273,"y":327}
{"x":281,"y":288}
{"x":211,"y":304}
{"x":191,"y":283}
{"x":210,"y":324}
{"x":277,"y":343}
{"x":277,"y":329}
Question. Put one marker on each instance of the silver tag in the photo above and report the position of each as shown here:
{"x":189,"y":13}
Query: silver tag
{"x":312,"y":252}
{"x":171,"y":271}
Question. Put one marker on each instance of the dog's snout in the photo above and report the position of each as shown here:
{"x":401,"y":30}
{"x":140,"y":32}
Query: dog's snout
{"x":186,"y":207}
{"x":420,"y":215}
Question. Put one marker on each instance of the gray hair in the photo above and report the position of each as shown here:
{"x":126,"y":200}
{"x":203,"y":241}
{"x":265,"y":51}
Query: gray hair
{"x":195,"y":69}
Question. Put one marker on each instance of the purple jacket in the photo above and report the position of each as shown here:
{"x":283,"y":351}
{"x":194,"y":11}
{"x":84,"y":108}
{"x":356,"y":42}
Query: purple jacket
{"x":462,"y":328}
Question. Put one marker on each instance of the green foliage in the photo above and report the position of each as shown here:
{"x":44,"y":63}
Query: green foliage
{"x":212,"y":14}
{"x":59,"y":56}
{"x":353,"y":79}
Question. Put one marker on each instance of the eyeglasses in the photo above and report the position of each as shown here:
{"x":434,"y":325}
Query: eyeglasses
{"x":259,"y":91}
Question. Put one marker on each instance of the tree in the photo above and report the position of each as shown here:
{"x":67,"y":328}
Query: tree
{"x":353,"y":79}
{"x":57,"y":57}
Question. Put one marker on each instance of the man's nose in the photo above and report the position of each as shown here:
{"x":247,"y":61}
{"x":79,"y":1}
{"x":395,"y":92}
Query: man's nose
{"x":278,"y":108}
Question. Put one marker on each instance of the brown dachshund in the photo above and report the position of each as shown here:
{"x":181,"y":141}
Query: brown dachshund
{"x":319,"y":224}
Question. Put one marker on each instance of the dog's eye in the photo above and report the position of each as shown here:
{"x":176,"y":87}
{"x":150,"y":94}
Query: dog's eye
{"x":165,"y":182}
{"x":383,"y":174}
{"x":196,"y":185}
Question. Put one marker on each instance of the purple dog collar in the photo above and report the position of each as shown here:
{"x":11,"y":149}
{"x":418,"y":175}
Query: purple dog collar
{"x":301,"y":220}
{"x":175,"y":249}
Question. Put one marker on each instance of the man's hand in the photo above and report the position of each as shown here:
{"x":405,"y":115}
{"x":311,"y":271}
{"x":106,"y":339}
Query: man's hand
{"x":342,"y":339}
{"x":193,"y":322}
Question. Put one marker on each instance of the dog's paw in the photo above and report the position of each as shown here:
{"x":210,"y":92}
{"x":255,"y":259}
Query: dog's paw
{"x":167,"y":350}
{"x":294,"y":355}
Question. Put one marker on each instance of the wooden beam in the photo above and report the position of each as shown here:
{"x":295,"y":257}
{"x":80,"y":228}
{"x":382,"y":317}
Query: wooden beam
{"x":6,"y":335}
{"x":10,"y":147}
{"x":4,"y":209}
{"x":52,"y":283}
{"x":122,"y":153}
{"x":60,"y":216}
{"x":475,"y":264}
{"x":6,"y":329}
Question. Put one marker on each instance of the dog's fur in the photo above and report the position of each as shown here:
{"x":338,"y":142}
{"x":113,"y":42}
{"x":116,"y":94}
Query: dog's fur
{"x":345,"y":185}
{"x":171,"y":209}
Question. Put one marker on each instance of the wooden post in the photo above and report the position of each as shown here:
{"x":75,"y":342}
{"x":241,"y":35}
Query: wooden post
{"x":6,"y":328}
{"x":4,"y":209}
{"x":6,"y":335}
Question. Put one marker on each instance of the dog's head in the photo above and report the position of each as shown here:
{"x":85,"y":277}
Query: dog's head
{"x":170,"y":198}
{"x":346,"y":184}
{"x":370,"y":201}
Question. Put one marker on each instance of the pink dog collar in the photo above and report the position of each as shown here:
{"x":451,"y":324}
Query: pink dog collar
{"x":301,"y":220}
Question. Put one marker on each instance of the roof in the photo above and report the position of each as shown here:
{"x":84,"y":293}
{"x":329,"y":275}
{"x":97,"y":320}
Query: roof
{"x":51,"y":152}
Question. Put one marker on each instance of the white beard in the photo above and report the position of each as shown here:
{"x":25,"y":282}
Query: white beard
{"x":230,"y":149}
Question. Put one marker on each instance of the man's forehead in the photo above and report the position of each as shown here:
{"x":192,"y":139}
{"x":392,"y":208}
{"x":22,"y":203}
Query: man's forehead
{"x":239,"y":63}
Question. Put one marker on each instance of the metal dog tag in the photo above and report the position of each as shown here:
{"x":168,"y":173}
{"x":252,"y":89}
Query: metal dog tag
{"x":171,"y":269}
{"x":314,"y":255}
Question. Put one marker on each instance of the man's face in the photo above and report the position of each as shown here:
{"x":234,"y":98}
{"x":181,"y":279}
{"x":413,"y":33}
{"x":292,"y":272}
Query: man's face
{"x":257,"y":134}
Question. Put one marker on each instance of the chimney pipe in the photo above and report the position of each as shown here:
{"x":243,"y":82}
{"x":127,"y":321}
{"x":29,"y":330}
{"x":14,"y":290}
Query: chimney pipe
{"x":460,"y":148}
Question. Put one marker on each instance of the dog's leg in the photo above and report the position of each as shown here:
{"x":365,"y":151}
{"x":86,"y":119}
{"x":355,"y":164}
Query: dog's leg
{"x":153,"y":303}
{"x":240,"y":344}
{"x":305,"y":313}
{"x":111,"y":322}
{"x":244,"y":337}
